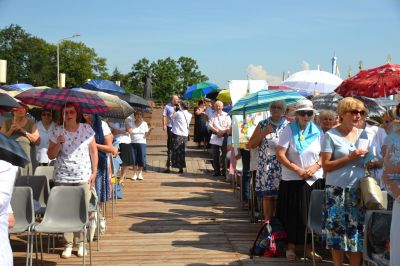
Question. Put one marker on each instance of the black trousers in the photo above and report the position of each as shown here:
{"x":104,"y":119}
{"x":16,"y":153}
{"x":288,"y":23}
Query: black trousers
{"x":169,"y":143}
{"x":219,"y":157}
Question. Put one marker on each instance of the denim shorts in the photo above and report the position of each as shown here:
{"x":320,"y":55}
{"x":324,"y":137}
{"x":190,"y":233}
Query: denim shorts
{"x":139,"y":151}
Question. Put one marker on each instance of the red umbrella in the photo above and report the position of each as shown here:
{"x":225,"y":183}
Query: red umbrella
{"x":56,"y":98}
{"x":374,"y":83}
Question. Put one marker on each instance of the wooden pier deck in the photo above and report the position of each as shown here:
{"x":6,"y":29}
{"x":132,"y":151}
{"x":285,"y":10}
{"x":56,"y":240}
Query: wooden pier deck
{"x":171,"y":219}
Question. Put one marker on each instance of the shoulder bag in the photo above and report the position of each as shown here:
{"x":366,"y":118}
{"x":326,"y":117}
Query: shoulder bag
{"x":371,"y":193}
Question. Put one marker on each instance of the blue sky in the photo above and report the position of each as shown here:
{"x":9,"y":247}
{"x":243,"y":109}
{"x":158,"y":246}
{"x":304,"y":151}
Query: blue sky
{"x":229,"y":38}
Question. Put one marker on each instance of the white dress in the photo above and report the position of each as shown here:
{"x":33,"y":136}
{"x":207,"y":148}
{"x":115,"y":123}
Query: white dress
{"x":8,"y":173}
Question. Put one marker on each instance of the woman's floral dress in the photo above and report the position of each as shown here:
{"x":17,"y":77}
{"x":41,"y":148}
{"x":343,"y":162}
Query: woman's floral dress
{"x":268,"y":167}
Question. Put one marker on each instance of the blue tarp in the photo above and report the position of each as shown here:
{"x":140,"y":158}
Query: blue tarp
{"x":102,"y":85}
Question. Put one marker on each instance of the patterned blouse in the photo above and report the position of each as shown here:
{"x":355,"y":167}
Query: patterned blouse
{"x":73,"y":163}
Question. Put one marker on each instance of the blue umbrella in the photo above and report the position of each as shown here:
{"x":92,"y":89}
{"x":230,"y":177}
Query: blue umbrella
{"x":17,"y":87}
{"x":11,"y":151}
{"x":261,"y":100}
{"x":199,"y":90}
{"x":102,"y":85}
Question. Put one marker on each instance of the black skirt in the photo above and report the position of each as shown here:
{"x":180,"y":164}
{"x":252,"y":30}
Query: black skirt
{"x":292,"y":207}
{"x":178,"y":151}
{"x":126,"y":154}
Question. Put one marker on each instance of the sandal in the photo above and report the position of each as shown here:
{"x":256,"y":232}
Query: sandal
{"x":290,"y":255}
{"x":317,"y":257}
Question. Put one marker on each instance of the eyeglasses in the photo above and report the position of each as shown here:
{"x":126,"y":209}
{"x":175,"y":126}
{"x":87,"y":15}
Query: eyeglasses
{"x":304,"y":113}
{"x":276,"y":107}
{"x":356,"y":112}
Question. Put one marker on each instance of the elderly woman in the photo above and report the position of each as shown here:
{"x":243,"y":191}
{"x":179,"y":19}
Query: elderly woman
{"x":180,"y":131}
{"x":343,"y":165}
{"x":391,"y":176}
{"x":73,"y":146}
{"x":298,"y":151}
{"x":24,"y":131}
{"x":327,"y":120}
{"x":104,"y":145}
{"x":266,"y":136}
{"x":45,"y":127}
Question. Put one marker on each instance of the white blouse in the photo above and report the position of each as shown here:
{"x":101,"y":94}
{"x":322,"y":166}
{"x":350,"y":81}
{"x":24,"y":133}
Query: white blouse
{"x":304,"y":160}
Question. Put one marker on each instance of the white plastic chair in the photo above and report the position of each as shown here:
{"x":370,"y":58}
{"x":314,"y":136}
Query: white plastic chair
{"x":24,"y":214}
{"x":66,"y":212}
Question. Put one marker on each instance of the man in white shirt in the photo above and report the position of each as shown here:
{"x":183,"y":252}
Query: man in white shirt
{"x":220,"y":126}
{"x":167,"y":125}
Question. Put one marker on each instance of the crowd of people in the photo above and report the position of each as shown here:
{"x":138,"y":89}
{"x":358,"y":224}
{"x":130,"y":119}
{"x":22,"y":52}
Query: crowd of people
{"x":299,"y":149}
{"x":79,"y":146}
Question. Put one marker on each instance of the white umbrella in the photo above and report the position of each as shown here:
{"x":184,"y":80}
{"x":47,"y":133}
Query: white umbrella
{"x":313,"y":81}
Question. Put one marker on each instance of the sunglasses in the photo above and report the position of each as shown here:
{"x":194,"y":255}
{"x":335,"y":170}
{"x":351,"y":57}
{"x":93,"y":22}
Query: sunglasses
{"x":276,"y":107}
{"x":356,"y":112}
{"x":46,"y":114}
{"x":304,"y":113}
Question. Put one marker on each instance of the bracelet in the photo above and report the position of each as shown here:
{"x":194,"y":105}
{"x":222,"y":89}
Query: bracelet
{"x":318,"y":164}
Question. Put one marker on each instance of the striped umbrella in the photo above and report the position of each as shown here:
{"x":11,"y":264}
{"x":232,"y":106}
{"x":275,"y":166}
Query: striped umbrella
{"x":56,"y":98}
{"x":261,"y":100}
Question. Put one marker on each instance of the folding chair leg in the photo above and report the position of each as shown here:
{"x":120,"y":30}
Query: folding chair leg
{"x":84,"y":245}
{"x":312,"y":245}
{"x":305,"y":244}
{"x":90,"y":249}
{"x":28,"y":248}
{"x":98,"y":228}
{"x":41,"y":249}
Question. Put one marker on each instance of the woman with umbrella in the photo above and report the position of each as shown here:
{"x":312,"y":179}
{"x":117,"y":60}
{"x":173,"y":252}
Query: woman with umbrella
{"x":73,"y":146}
{"x":298,"y":150}
{"x":24,"y":131}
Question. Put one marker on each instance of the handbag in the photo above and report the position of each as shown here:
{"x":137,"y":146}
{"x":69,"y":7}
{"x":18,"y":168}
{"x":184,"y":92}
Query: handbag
{"x":371,"y":193}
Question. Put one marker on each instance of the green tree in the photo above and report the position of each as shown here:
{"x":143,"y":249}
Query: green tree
{"x":137,"y":76}
{"x":29,"y":59}
{"x":189,"y":73}
{"x":80,"y":63}
{"x":165,"y":78}
{"x":168,"y":76}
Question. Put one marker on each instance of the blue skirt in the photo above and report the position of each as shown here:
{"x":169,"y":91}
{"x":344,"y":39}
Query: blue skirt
{"x":343,"y":219}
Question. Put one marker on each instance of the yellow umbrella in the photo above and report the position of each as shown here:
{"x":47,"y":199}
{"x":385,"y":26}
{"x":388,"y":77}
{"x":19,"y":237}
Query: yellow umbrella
{"x":224,"y":96}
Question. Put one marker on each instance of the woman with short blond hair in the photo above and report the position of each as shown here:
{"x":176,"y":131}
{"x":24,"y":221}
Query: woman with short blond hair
{"x":343,"y":166}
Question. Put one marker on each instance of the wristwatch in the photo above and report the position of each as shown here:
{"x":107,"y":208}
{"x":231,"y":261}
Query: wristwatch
{"x":26,"y":133}
{"x":318,"y":164}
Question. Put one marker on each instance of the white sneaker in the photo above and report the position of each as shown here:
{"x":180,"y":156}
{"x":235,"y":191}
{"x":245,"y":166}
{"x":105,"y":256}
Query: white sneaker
{"x":67,"y":252}
{"x":140,"y":176}
{"x":80,"y":251}
{"x":135,"y":176}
